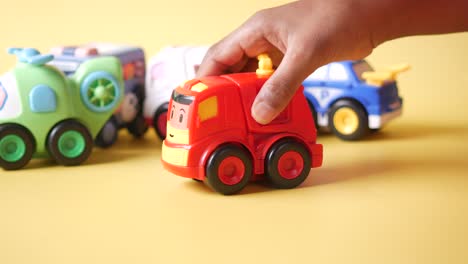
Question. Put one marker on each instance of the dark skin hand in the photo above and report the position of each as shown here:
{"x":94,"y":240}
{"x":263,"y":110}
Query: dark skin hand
{"x":304,"y":35}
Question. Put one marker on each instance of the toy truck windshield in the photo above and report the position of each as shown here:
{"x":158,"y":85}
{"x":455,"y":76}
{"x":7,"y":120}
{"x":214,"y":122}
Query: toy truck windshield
{"x":182,"y":98}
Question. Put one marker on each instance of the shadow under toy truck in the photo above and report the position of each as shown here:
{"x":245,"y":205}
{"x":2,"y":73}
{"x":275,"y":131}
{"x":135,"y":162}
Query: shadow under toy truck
{"x":212,"y":137}
{"x":130,"y":113}
{"x":44,"y":113}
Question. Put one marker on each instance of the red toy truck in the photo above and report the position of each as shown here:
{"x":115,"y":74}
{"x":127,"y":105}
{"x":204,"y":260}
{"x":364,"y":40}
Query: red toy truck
{"x":212,"y":137}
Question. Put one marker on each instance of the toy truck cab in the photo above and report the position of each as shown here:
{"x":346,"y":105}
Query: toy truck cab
{"x":130,"y":113}
{"x":350,"y":98}
{"x":212,"y":137}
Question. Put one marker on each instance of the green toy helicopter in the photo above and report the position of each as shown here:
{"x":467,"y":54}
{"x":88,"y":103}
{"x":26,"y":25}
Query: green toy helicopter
{"x":43,"y":113}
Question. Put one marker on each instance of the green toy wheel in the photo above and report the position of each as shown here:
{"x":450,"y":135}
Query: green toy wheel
{"x":12,"y":148}
{"x":100,"y":92}
{"x":69,"y":143}
{"x":16,"y":146}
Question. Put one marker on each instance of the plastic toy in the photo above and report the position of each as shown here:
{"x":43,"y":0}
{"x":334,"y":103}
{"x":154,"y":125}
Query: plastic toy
{"x":350,"y":99}
{"x":43,"y":113}
{"x":170,"y":67}
{"x":130,"y":113}
{"x":212,"y":136}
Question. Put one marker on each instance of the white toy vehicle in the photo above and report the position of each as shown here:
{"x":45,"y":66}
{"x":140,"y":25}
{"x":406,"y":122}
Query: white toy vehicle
{"x":169,"y":68}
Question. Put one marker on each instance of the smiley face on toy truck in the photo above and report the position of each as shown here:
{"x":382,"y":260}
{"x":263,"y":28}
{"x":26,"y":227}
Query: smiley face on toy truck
{"x":212,"y":137}
{"x":43,"y":113}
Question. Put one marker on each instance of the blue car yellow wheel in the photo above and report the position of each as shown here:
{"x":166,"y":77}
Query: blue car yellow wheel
{"x":100,"y":92}
{"x":348,"y":120}
{"x":16,"y":146}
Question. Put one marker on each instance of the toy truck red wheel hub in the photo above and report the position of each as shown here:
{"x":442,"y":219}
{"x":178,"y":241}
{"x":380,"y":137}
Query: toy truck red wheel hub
{"x":231,"y":171}
{"x":290,"y":165}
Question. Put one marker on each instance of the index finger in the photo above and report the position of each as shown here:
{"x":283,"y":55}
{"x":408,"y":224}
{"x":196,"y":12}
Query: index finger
{"x":221,"y":57}
{"x":232,"y":53}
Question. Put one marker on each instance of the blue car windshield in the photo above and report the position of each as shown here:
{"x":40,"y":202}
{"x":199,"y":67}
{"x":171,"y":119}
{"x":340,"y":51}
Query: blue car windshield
{"x":361,"y":67}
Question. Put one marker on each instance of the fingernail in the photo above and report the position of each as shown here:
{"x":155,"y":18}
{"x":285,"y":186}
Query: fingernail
{"x":262,"y":112}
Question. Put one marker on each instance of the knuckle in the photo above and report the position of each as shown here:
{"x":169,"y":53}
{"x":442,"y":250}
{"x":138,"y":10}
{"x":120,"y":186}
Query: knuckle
{"x":259,"y":18}
{"x":213,"y":51}
{"x":298,"y":53}
{"x":312,"y":52}
{"x":259,"y":15}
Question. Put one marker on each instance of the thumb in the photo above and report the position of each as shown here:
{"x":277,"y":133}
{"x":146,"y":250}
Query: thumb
{"x":279,"y":89}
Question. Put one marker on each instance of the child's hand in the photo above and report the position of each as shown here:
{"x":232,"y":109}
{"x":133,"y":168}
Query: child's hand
{"x":304,"y":35}
{"x":308,"y":33}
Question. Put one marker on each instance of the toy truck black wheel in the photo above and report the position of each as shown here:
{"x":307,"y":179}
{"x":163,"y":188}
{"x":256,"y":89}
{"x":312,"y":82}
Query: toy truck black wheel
{"x":160,"y":121}
{"x":69,"y":143}
{"x":287,"y":164}
{"x":348,"y":120}
{"x":17,"y":146}
{"x":228,"y":169}
{"x":108,"y":134}
{"x":138,"y":126}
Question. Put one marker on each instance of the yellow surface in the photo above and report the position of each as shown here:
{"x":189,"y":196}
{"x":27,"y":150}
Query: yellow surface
{"x":399,"y":197}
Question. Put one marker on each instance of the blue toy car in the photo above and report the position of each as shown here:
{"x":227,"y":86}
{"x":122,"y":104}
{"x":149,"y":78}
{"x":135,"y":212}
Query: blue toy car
{"x":350,"y":98}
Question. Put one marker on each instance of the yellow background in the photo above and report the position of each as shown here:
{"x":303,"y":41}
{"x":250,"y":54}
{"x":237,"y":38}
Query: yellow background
{"x":398,"y":197}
